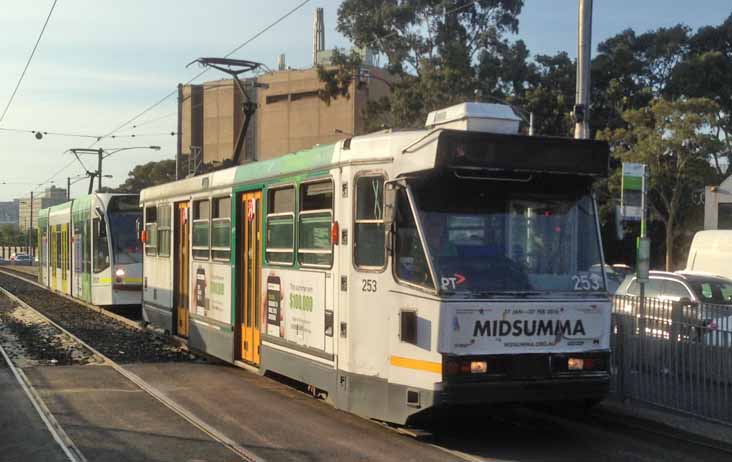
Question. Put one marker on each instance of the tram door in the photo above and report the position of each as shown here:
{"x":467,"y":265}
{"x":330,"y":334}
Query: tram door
{"x":250,"y":266}
{"x":182,"y":268}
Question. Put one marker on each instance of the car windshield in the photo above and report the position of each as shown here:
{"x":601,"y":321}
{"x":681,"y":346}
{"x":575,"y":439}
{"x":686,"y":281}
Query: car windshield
{"x":124,"y":214}
{"x":712,"y":291}
{"x":490,"y":236}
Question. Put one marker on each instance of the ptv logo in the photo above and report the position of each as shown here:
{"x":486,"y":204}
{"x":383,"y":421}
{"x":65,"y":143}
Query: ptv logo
{"x":449,"y":283}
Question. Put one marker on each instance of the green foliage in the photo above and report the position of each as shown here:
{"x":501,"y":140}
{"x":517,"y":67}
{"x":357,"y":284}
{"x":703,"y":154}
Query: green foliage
{"x":146,"y":175}
{"x":10,"y":235}
{"x":673,"y":140}
{"x":437,"y":54}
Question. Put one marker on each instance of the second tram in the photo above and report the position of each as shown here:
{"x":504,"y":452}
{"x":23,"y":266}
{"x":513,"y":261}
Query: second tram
{"x":89,"y":249}
{"x":396,"y":271}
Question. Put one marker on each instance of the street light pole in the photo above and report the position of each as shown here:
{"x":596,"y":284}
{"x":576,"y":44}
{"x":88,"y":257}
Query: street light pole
{"x":30,"y":229}
{"x":100,"y":153}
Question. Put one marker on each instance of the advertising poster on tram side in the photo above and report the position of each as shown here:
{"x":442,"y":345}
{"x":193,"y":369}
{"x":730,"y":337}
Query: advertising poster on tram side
{"x":293,"y":306}
{"x":211,"y":291}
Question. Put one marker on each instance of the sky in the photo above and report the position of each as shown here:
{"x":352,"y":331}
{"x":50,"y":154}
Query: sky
{"x":101,"y":62}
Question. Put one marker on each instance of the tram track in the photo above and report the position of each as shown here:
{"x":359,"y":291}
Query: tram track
{"x":158,"y":395}
{"x":91,"y":333}
{"x":57,"y":432}
{"x":120,"y":339}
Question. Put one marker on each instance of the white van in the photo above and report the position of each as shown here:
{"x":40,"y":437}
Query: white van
{"x":711,"y":252}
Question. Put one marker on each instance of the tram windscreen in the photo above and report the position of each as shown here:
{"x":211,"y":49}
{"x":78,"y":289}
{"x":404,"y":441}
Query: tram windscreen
{"x":124,"y":214}
{"x":534,"y":235}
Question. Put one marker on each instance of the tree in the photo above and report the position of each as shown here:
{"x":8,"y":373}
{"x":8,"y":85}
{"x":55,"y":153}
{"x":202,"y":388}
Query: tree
{"x":146,"y":175}
{"x":437,"y":55}
{"x":705,"y":72}
{"x":10,"y":235}
{"x":631,"y":70}
{"x":549,"y":94}
{"x":674,"y":140}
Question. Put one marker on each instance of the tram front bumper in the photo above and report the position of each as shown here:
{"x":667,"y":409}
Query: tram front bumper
{"x":588,"y":387}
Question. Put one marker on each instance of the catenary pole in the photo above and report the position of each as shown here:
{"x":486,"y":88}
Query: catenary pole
{"x":584,"y":50}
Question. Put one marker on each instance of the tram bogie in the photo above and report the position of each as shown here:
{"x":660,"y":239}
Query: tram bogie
{"x":397,"y":271}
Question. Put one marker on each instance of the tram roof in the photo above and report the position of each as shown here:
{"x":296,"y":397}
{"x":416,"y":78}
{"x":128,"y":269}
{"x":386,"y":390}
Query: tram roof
{"x":408,"y":151}
{"x":79,"y":203}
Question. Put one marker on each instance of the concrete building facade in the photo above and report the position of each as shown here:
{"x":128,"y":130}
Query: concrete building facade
{"x":290,"y":115}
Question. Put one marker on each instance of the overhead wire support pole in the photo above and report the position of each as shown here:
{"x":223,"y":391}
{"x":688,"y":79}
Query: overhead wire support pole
{"x":584,"y":50}
{"x":100,"y":153}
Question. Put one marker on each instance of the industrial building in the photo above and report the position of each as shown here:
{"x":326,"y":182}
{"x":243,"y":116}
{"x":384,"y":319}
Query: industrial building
{"x":290,"y":114}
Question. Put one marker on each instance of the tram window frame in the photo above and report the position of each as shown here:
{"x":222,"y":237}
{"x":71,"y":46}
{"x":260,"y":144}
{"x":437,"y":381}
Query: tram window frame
{"x":361,"y":222}
{"x":101,"y":261}
{"x":163,"y":229}
{"x":151,"y":226}
{"x":281,"y":213}
{"x":420,"y":280}
{"x":219,"y":215}
{"x":201,"y":252}
{"x":316,"y":213}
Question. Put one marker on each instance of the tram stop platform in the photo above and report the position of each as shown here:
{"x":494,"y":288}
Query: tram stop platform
{"x":24,"y":436}
{"x":646,"y":416}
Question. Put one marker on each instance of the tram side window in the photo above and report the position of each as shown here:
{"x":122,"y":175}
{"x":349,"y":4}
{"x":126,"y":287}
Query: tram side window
{"x":411,"y":263}
{"x":315,"y":220}
{"x":163,"y":232}
{"x":151,"y":219}
{"x":280,"y":248}
{"x":101,"y":245}
{"x":59,"y":262}
{"x":369,"y":249}
{"x":221,"y":229}
{"x":201,"y":229}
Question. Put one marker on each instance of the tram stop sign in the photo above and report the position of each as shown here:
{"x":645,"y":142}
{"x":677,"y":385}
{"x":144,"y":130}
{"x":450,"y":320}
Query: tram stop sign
{"x":632,"y":191}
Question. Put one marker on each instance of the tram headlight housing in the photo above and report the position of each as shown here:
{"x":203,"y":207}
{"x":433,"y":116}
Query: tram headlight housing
{"x":478,"y":367}
{"x":575,"y":364}
{"x":120,"y":273}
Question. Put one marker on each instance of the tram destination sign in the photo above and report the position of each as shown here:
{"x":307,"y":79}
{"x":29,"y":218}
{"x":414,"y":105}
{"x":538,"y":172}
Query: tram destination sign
{"x":520,"y":153}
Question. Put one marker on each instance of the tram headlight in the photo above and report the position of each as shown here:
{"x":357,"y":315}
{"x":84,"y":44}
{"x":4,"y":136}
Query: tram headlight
{"x":478,"y":367}
{"x":575,"y":364}
{"x":120,"y":273}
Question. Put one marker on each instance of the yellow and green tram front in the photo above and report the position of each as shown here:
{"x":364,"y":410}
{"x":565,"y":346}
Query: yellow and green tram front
{"x":125,"y":269}
{"x":507,"y":251}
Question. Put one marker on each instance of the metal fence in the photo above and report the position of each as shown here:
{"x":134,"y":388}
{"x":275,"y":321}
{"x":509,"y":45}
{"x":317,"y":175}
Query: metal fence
{"x":675,"y":355}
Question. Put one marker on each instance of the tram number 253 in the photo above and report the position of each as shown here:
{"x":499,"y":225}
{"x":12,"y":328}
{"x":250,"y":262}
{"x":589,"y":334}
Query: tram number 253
{"x":369,"y":285}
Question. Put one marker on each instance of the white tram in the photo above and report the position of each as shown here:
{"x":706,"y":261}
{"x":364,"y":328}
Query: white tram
{"x":89,"y":249}
{"x":395,"y":271}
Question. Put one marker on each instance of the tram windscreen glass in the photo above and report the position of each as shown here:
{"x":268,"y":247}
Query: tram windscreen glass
{"x":497,"y":236}
{"x":124,"y":214}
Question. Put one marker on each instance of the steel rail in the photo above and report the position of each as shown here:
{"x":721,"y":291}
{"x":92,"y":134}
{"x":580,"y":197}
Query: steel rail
{"x":161,"y":397}
{"x":58,"y":433}
{"x":23,"y":276}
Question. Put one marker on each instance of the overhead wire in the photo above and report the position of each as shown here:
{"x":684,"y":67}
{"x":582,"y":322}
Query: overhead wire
{"x":80,"y":135}
{"x":172,"y":93}
{"x":27,"y":64}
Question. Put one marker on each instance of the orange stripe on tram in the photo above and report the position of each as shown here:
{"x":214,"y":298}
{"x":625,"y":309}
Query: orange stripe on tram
{"x":418,"y":364}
